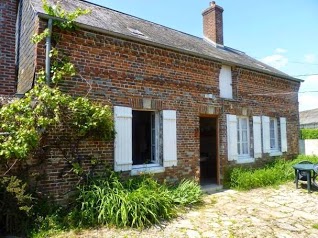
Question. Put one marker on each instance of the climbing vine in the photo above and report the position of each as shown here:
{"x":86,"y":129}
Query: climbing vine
{"x":46,"y":120}
{"x":46,"y":117}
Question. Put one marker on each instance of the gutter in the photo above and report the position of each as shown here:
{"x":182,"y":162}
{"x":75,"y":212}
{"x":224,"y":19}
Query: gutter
{"x":188,"y":52}
{"x":47,"y":53}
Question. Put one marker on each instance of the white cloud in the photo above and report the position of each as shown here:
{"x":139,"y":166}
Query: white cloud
{"x":277,"y":60}
{"x":280,"y":51}
{"x":310,"y":58}
{"x":308,"y":99}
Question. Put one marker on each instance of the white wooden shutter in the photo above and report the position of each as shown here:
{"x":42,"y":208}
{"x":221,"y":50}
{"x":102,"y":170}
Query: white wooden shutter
{"x":283,"y":134}
{"x":232,"y":137}
{"x":257,"y":137}
{"x":266,"y":134}
{"x":169,"y":125}
{"x":123,"y":138}
{"x":225,"y":82}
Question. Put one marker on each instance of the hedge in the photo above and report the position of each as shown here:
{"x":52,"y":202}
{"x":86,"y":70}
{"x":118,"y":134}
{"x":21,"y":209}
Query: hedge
{"x":309,"y":134}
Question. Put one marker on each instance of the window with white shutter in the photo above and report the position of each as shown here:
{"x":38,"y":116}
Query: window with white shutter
{"x":272,"y":133}
{"x":232,"y":137}
{"x":123,"y":138}
{"x":257,"y":136}
{"x":266,"y":134}
{"x":169,"y":127}
{"x":283,"y":134}
{"x":137,"y":140}
{"x":243,"y":143}
{"x":225,"y":82}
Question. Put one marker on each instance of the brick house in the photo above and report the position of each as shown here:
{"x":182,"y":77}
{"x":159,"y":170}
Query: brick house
{"x":184,"y":106}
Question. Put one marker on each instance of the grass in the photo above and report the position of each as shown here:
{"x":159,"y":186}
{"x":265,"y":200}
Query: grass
{"x":133,"y":203}
{"x":137,"y":202}
{"x":315,"y":226}
{"x":275,"y":173}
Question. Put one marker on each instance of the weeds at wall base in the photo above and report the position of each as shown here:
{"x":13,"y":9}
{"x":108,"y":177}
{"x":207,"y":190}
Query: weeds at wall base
{"x":109,"y":201}
{"x":273,"y":174}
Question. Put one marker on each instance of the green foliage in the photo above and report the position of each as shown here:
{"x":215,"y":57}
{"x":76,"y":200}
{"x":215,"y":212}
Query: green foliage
{"x":15,"y":204}
{"x":44,"y":108}
{"x":37,"y":38}
{"x":68,"y":17}
{"x":109,"y":200}
{"x":315,"y":226}
{"x":66,"y":21}
{"x":136,"y":202}
{"x":309,"y":134}
{"x":275,"y":173}
{"x":187,"y":192}
{"x":49,"y":220}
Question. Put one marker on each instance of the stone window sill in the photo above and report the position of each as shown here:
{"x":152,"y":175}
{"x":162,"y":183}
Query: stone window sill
{"x":245,"y":160}
{"x":151,"y":169}
{"x":275,"y":153}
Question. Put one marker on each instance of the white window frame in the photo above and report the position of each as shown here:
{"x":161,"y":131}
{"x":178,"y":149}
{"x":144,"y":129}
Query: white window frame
{"x":240,"y":129}
{"x":155,"y":139}
{"x":273,"y":134}
{"x":155,"y":163}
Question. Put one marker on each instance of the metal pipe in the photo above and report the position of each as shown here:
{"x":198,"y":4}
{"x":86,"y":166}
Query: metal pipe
{"x":47,"y":55}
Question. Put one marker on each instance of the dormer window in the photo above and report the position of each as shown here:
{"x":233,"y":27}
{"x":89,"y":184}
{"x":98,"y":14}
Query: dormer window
{"x":225,"y":82}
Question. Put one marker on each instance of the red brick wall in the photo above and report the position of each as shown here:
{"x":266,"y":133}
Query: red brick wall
{"x":120,"y":72}
{"x":8,"y":15}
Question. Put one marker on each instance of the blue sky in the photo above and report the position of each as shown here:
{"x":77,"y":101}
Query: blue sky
{"x":282,"y":33}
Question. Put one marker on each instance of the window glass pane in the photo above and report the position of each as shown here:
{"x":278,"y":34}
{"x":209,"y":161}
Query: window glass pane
{"x":244,"y":136}
{"x":273,"y":133}
{"x":272,"y":143}
{"x":245,"y":148}
{"x":244,"y":123}
{"x":272,"y":124}
{"x":238,"y":136}
{"x":238,"y":148}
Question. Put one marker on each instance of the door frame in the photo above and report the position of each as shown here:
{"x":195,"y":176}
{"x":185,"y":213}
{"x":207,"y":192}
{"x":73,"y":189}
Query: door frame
{"x":217,"y":144}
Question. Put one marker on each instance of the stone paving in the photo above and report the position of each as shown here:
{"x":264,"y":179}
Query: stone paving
{"x":281,"y":212}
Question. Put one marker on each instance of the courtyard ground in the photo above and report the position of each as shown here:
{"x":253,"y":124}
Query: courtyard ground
{"x":268,"y":212}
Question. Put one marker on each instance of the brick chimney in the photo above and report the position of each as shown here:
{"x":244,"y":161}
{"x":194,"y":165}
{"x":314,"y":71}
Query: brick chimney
{"x":213,"y":23}
{"x":8,"y":16}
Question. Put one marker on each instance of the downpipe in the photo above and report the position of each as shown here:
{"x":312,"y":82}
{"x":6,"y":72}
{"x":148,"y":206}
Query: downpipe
{"x":47,"y":54}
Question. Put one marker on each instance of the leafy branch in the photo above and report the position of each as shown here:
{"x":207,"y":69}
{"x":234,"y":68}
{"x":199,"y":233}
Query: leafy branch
{"x":45,"y":111}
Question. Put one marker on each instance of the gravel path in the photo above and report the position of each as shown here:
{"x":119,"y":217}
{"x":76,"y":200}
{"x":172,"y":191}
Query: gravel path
{"x":283,"y":212}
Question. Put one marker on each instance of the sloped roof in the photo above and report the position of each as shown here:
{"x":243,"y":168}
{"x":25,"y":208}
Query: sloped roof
{"x":124,"y":25}
{"x":308,"y":117}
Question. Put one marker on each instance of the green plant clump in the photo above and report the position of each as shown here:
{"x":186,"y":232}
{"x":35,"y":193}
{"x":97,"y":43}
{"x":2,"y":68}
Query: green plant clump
{"x":15,"y":203}
{"x":187,"y":192}
{"x":108,"y":200}
{"x":137,"y":202}
{"x":275,"y":173}
{"x":309,"y":134}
